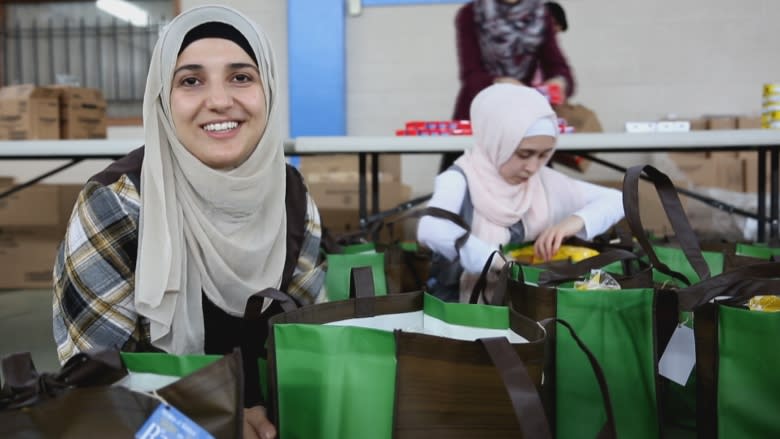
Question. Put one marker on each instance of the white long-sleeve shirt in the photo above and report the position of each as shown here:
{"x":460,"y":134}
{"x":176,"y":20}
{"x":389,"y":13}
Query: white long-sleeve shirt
{"x":597,"y":206}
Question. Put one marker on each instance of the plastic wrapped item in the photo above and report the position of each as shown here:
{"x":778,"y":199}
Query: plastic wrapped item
{"x":764,"y":303}
{"x":573,"y":253}
{"x":598,"y":279}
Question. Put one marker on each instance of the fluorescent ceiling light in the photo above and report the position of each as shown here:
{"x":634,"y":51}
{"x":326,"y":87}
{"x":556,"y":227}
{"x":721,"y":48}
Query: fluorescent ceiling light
{"x":124,"y":11}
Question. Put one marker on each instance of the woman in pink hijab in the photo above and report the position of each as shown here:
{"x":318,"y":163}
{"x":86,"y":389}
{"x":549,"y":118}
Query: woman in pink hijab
{"x":503,"y":190}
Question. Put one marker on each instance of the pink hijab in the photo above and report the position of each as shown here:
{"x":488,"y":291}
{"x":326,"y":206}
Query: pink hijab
{"x":500,"y":117}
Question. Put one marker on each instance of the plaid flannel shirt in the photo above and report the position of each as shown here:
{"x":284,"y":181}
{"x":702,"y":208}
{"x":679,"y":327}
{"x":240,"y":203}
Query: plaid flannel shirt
{"x":94,"y":271}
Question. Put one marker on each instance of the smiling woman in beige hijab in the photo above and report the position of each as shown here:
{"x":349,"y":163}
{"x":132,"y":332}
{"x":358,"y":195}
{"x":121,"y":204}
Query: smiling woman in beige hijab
{"x":166,"y":245}
{"x":223,"y":230}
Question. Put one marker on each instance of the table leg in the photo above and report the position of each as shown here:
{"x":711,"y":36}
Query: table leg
{"x":362,"y":204}
{"x":774,"y":188}
{"x":375,"y":183}
{"x":761,"y":152}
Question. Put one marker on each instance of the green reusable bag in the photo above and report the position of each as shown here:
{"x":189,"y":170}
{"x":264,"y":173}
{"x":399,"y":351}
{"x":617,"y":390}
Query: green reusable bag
{"x":336,"y":376}
{"x":736,"y":356}
{"x":339,"y":269}
{"x":334,"y":381}
{"x":158,"y":363}
{"x":618,"y":326}
{"x":168,"y":367}
{"x":757,"y":251}
{"x":748,"y":379}
{"x":676,"y":259}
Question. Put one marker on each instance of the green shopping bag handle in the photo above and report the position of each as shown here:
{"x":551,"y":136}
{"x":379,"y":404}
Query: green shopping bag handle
{"x":609,"y":430}
{"x":674,"y":212}
{"x":739,"y":285}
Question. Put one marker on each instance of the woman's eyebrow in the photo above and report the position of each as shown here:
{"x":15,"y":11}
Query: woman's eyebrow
{"x":194,"y":67}
{"x":242,"y":65}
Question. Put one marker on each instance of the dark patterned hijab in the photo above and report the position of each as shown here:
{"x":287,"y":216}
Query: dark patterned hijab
{"x":509,"y":35}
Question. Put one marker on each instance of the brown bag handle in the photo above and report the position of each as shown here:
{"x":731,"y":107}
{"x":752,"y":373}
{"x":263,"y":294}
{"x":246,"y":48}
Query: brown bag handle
{"x":361,"y":290}
{"x":254,"y":305}
{"x":449,"y":216}
{"x":738,"y":284}
{"x":481,"y":284}
{"x":609,"y":430}
{"x":24,"y":386}
{"x":522,"y":392}
{"x":674,"y":212}
{"x":560,"y":274}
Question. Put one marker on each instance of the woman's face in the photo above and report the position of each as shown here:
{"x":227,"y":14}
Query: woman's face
{"x":217,"y":102}
{"x":532,"y":153}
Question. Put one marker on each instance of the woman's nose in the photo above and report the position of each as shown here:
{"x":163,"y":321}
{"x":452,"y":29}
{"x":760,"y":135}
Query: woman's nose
{"x":219,"y":98}
{"x":532,"y":164}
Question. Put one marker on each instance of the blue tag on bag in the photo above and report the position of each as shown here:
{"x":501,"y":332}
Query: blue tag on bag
{"x":168,"y":423}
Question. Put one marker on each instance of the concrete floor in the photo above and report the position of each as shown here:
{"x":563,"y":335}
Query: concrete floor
{"x":25,"y":325}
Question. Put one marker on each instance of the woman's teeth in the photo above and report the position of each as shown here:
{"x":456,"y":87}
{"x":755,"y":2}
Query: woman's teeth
{"x":221,"y":126}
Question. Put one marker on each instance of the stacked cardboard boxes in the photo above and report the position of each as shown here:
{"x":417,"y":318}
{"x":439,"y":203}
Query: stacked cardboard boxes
{"x":82,"y":113}
{"x":733,"y":171}
{"x":32,"y":224}
{"x":29,"y":112}
{"x":56,"y":112}
{"x":651,"y":210}
{"x":333,"y":183}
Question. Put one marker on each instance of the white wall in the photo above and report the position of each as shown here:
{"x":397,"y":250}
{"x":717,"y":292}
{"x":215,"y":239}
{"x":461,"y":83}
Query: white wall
{"x":633,"y":59}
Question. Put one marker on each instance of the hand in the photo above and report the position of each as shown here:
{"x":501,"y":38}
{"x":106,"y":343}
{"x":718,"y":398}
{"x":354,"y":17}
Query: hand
{"x":257,"y":425}
{"x":549,"y":241}
{"x":506,"y":79}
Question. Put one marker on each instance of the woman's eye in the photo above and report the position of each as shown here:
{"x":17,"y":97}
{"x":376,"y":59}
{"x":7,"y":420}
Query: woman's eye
{"x":189,"y":81}
{"x":242,"y":77}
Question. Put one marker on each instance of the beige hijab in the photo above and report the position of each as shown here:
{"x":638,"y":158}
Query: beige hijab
{"x":222,"y":233}
{"x":501,"y":115}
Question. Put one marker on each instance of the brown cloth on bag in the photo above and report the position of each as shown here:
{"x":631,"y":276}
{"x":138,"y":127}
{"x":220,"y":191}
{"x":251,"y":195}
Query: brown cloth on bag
{"x":79,"y":401}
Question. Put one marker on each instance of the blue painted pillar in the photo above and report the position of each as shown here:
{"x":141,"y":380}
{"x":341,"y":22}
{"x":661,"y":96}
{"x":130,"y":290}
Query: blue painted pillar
{"x":317,"y":67}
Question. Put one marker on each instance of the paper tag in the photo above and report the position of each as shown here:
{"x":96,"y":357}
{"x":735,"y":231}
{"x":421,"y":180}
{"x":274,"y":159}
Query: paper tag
{"x":168,"y":423}
{"x":679,"y":357}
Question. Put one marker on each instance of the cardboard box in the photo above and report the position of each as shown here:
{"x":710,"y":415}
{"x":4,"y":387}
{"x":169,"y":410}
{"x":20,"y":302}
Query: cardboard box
{"x":37,"y":205}
{"x":719,"y":169}
{"x":341,"y":167}
{"x":27,"y":259}
{"x":750,"y":166}
{"x":749,"y":122}
{"x":651,"y":210}
{"x":346,"y":221}
{"x":67,"y":195}
{"x":698,"y":124}
{"x":721,"y":122}
{"x":82,"y":113}
{"x":29,"y":112}
{"x":345,"y":195}
{"x":582,"y":118}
